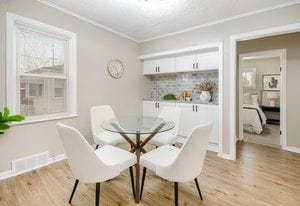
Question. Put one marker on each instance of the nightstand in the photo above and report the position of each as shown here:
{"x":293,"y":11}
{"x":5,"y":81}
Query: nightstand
{"x":272,"y":114}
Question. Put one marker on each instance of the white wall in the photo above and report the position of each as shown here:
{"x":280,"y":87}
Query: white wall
{"x":95,"y":47}
{"x":222,"y":32}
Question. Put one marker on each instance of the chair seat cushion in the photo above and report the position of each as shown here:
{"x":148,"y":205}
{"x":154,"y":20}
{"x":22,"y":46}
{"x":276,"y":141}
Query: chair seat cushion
{"x":109,"y":138}
{"x":112,"y":156}
{"x":162,"y":156}
{"x":163,"y":138}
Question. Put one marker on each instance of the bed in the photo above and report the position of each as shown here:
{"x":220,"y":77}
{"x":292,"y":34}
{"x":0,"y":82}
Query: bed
{"x":254,"y":118}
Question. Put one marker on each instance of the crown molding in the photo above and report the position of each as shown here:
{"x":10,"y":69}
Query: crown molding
{"x":289,"y":3}
{"x":85,"y":19}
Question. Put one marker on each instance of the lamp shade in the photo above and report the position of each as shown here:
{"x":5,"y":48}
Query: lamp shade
{"x":272,"y":95}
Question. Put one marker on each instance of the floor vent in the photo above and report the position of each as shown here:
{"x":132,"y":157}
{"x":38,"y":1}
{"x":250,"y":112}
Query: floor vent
{"x":29,"y":163}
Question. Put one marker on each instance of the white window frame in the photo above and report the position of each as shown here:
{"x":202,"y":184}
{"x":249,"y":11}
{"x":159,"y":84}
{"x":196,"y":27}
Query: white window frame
{"x":13,"y":21}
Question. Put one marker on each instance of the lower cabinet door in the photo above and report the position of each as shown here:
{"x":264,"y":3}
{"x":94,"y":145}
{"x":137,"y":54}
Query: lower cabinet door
{"x":188,"y":119}
{"x":209,"y":114}
{"x":150,"y":108}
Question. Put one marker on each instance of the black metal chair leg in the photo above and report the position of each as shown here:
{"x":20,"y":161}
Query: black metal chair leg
{"x":132,"y":181}
{"x":198,"y":188}
{"x":176,"y":193}
{"x":97,"y":193}
{"x":143,"y":181}
{"x":97,"y":146}
{"x":73,"y":191}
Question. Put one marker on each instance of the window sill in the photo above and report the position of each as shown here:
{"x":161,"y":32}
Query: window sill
{"x":45,"y":118}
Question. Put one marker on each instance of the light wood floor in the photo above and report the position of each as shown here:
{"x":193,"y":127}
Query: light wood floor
{"x":261,"y":176}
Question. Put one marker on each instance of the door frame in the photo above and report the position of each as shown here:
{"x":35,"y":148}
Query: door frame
{"x":234,"y":39}
{"x":281,"y":53}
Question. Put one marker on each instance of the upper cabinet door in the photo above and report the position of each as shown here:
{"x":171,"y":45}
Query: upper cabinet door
{"x":186,"y":63}
{"x":159,"y":66}
{"x":207,"y":61}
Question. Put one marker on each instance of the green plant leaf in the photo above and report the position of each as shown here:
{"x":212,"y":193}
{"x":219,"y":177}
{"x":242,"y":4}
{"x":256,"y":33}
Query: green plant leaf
{"x":15,"y":118}
{"x":4,"y":126}
{"x":6,"y":112}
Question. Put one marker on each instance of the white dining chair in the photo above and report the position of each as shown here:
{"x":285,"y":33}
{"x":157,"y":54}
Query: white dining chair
{"x":93,"y":166}
{"x":99,"y":114}
{"x":171,"y":114}
{"x":179,"y":165}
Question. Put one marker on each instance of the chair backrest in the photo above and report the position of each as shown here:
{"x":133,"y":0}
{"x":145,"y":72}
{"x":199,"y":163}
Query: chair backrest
{"x":83,"y":161}
{"x":189,"y":163}
{"x":172,"y":114}
{"x":99,"y":114}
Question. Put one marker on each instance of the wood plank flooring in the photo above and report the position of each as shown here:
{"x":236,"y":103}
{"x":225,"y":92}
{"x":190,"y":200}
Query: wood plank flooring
{"x":261,"y":176}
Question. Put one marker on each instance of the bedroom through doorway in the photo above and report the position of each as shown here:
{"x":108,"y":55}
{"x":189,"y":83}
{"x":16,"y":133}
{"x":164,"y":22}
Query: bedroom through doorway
{"x":260,"y":86}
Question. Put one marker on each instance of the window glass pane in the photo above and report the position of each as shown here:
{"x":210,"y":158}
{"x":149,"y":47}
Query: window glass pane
{"x":40,"y":53}
{"x":37,"y":96}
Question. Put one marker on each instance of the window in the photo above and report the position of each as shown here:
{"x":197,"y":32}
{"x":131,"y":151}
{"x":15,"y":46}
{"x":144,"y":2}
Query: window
{"x":41,"y":69}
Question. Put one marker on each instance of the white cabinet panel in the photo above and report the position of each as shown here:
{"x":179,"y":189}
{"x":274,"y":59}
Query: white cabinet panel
{"x":207,"y":61}
{"x":188,"y":119}
{"x":159,"y":66}
{"x":207,"y":114}
{"x":185,"y":63}
{"x":150,"y":108}
{"x":153,"y":108}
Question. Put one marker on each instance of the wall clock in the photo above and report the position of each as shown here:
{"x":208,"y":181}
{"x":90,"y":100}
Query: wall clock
{"x":115,"y":68}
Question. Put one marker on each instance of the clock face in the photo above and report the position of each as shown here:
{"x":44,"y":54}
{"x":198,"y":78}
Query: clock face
{"x":115,"y":68}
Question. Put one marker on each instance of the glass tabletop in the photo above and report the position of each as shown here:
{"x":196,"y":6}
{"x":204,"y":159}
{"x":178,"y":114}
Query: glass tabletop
{"x":137,"y":124}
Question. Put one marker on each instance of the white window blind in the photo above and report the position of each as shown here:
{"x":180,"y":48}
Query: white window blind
{"x":41,"y":63}
{"x":41,"y":73}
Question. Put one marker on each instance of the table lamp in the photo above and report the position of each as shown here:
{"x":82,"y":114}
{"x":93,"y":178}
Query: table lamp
{"x":272,"y":96}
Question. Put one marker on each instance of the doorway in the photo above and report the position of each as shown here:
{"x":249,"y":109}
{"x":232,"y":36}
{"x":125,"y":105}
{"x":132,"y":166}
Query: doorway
{"x":261,"y":93}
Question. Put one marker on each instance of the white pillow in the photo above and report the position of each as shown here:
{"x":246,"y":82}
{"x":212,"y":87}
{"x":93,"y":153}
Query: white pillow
{"x":247,"y":98}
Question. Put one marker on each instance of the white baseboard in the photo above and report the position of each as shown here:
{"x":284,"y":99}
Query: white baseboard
{"x":291,"y":149}
{"x":225,"y":156}
{"x":9,"y":173}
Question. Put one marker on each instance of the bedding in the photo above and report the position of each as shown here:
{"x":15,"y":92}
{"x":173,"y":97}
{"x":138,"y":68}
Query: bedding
{"x":254,"y":118}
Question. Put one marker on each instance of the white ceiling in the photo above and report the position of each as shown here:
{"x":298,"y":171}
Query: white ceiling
{"x":141,"y":20}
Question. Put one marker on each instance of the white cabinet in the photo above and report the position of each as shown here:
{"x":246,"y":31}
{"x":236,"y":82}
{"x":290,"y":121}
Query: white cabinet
{"x":209,"y":113}
{"x":197,"y":114}
{"x":185,"y":63}
{"x":207,"y":61}
{"x":191,"y":116}
{"x":188,"y":119}
{"x":159,"y":66}
{"x":197,"y":62}
{"x":153,"y":108}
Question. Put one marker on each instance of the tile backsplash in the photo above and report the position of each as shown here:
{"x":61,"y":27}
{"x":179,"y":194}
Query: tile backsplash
{"x":161,"y":85}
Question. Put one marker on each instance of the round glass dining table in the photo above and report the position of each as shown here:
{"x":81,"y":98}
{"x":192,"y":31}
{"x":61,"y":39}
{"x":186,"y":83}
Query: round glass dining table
{"x":137,"y":125}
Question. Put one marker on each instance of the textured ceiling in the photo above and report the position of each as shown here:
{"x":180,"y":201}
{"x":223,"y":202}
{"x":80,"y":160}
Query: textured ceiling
{"x":142,"y":20}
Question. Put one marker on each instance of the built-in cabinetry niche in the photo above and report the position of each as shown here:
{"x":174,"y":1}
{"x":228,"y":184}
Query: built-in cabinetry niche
{"x":186,"y":61}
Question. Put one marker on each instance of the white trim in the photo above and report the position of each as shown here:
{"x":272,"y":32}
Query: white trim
{"x":11,"y":67}
{"x":215,"y":46}
{"x":45,"y":118}
{"x":291,"y":149}
{"x":290,"y":3}
{"x":233,"y":65}
{"x":226,"y":156}
{"x":85,"y":19}
{"x":56,"y":158}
